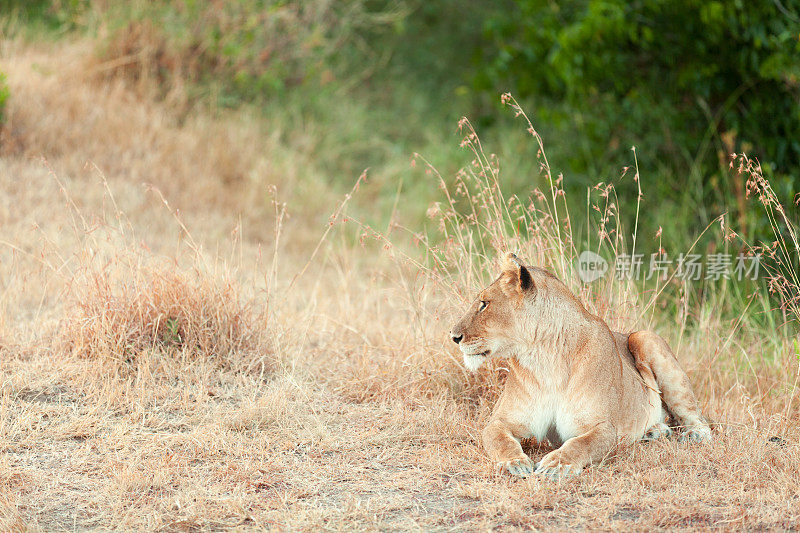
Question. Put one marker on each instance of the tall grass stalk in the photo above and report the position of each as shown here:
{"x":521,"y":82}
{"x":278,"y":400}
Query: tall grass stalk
{"x":782,"y":254}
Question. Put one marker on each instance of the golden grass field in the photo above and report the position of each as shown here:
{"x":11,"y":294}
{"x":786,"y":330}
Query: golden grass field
{"x":176,"y":354}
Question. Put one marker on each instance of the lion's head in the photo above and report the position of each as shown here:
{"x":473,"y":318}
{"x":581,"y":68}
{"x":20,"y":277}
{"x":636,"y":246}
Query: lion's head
{"x":489,"y":327}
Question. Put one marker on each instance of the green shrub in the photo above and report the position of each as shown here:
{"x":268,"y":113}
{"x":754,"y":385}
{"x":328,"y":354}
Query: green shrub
{"x":4,"y":94}
{"x":53,"y":15}
{"x":689,"y":80}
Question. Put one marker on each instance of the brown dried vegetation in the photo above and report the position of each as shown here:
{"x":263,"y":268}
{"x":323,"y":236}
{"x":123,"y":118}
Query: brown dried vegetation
{"x":169,"y":370}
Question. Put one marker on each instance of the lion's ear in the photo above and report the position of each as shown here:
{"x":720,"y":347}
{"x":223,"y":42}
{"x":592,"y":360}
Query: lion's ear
{"x":510,"y":261}
{"x":517,"y":275}
{"x":525,"y":279}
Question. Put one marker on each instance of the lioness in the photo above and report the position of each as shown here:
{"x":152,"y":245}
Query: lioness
{"x":571,"y":379}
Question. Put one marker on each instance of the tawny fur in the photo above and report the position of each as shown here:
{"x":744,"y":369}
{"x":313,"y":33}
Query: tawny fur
{"x":572,"y":380}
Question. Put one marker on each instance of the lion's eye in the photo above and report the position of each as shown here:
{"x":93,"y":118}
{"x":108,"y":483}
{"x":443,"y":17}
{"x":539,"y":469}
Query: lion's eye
{"x":484,"y":303}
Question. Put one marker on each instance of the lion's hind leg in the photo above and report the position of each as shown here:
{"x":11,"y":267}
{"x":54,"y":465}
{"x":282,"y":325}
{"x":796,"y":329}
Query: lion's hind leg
{"x":653,"y":353}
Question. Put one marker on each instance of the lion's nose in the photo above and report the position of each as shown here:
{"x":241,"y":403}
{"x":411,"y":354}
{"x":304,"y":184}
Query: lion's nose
{"x":457,"y":339}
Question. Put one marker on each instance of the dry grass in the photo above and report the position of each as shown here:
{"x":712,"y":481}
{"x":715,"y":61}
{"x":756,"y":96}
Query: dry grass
{"x":124,"y":314}
{"x":163,"y":372}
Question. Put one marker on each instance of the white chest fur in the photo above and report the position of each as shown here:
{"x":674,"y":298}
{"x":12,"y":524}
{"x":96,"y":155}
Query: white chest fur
{"x":546,"y":416}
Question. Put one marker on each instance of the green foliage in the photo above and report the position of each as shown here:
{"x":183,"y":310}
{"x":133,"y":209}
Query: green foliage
{"x":4,"y":94}
{"x":51,"y":14}
{"x":243,"y":51}
{"x":172,"y":333}
{"x":684,"y":76}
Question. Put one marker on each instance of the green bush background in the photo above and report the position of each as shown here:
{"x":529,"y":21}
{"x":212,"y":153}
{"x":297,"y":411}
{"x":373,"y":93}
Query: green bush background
{"x":688,"y":81}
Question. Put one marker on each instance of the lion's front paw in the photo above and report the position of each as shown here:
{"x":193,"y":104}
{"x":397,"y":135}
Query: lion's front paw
{"x":657,"y":431}
{"x":552,"y":466}
{"x":522,"y":467}
{"x":696,"y":433}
